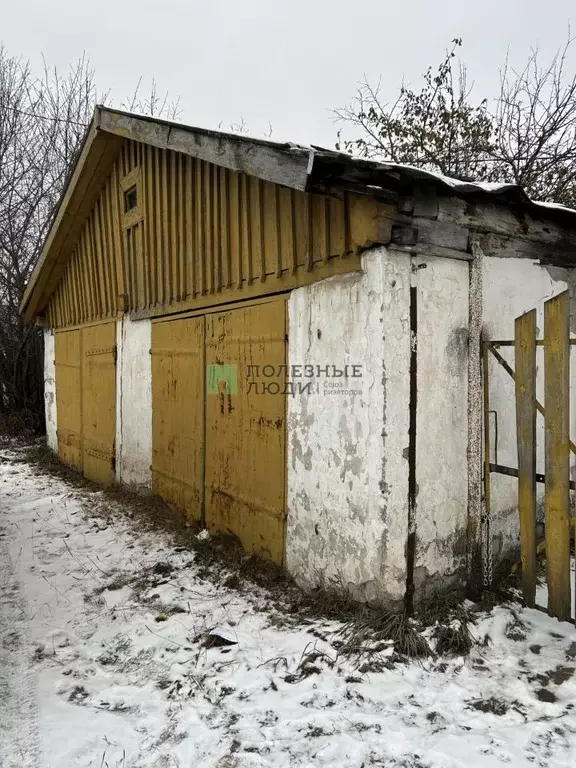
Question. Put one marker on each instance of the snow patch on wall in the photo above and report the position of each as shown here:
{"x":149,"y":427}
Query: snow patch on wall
{"x":50,"y":391}
{"x":348,"y":438}
{"x":134,"y":404}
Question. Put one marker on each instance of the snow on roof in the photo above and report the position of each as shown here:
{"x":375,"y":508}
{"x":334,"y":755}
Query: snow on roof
{"x":507,"y":192}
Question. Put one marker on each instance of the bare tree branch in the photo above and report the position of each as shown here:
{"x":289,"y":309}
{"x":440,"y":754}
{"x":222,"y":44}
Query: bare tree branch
{"x":525,"y":135}
{"x":42,"y":125}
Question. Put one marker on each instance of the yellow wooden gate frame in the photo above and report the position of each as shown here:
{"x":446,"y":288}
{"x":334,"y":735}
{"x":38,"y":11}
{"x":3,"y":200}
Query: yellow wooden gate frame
{"x":556,"y":478}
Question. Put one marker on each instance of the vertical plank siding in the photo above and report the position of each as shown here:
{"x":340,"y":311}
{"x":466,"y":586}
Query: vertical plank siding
{"x":201,"y":230}
{"x":92,"y":282}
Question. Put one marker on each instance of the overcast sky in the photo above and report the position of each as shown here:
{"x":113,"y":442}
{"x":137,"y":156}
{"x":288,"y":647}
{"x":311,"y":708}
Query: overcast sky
{"x":289,"y":63}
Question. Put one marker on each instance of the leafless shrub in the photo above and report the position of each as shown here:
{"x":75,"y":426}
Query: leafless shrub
{"x":152,"y":103}
{"x":42,"y":123}
{"x":43,"y":120}
{"x":526,"y":134}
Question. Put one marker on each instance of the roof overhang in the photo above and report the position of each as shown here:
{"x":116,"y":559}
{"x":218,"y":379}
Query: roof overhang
{"x":88,"y":175}
{"x":306,"y":169}
{"x":286,"y":164}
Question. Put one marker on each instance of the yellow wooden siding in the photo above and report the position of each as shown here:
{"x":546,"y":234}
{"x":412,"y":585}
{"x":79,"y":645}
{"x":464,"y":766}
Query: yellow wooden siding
{"x":92,"y":282}
{"x":204,"y":235}
{"x":178,"y":413}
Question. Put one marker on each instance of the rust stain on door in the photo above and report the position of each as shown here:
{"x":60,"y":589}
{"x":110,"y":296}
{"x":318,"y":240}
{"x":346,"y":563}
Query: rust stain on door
{"x":178,"y":413}
{"x":245,"y":426}
{"x":68,"y":361}
{"x":99,"y":401}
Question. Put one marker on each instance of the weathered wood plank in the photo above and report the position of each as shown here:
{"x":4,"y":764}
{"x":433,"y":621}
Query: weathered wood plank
{"x":525,"y":381}
{"x":270,"y":229}
{"x":301,"y":218}
{"x":92,"y":303}
{"x":158,"y":260}
{"x":318,"y":244}
{"x":278,"y":227}
{"x":216,"y":228}
{"x":235,"y":232}
{"x":174,"y":193}
{"x":200,"y":287}
{"x":279,"y":164}
{"x":225,"y":227}
{"x":108,"y":251}
{"x":186,"y":231}
{"x":557,"y":499}
{"x":206,"y":203}
{"x":508,"y":234}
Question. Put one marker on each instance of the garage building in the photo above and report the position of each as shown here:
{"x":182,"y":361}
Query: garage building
{"x":285,"y":342}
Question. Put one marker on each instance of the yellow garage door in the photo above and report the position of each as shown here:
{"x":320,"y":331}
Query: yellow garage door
{"x":68,"y":362}
{"x":245,"y":425}
{"x":218,"y":421}
{"x":178,"y":413}
{"x":99,"y":401}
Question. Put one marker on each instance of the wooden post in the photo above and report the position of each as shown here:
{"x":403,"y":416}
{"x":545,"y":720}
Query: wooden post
{"x":525,"y":381}
{"x":486,"y":535}
{"x":556,"y":403}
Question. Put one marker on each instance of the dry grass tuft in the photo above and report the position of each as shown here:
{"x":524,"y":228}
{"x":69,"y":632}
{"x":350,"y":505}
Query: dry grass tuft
{"x":453,"y":640}
{"x":376,"y":630}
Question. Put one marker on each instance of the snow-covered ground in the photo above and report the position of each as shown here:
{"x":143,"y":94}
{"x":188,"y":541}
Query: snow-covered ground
{"x":106,"y":659}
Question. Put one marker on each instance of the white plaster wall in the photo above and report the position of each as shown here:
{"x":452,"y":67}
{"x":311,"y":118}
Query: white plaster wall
{"x":134,"y":404}
{"x":510,"y":288}
{"x":50,"y":391}
{"x":442,"y":420}
{"x":347,"y":453}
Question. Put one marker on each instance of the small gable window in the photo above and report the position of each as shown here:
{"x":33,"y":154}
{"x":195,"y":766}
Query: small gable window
{"x":130,"y":199}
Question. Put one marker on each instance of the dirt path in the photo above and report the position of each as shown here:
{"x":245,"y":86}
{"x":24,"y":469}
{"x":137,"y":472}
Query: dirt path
{"x":20,"y":741}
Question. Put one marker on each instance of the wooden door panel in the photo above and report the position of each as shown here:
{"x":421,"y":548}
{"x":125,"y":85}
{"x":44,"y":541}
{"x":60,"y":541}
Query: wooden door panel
{"x":245,"y":426}
{"x":68,"y":362}
{"x":178,"y":413}
{"x":99,"y":401}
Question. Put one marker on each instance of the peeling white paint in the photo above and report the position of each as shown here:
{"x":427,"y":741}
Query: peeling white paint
{"x":442,"y":420}
{"x":347,"y":453}
{"x":50,"y":391}
{"x":512,"y":287}
{"x":134,"y":404}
